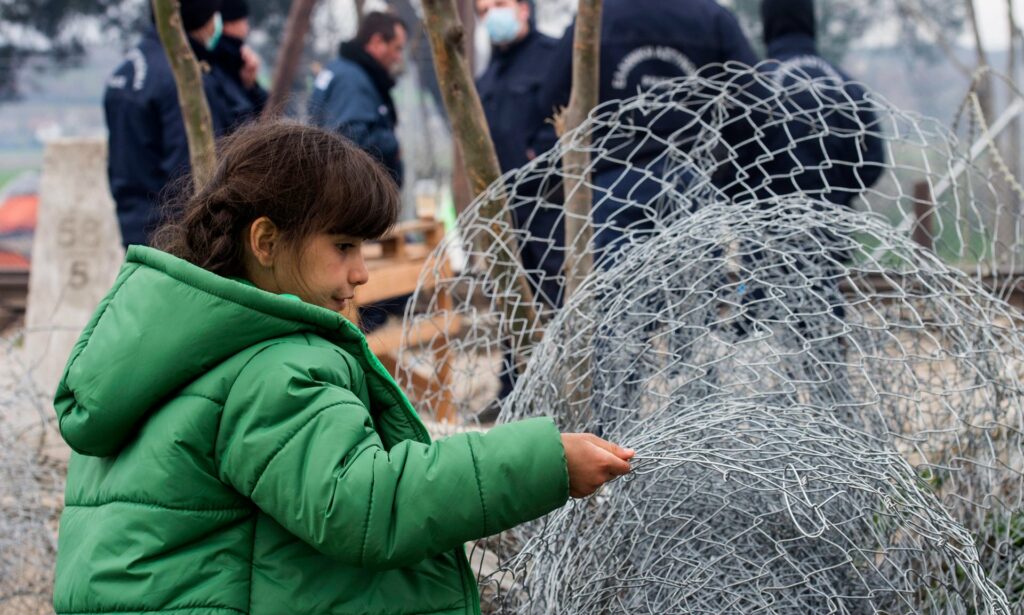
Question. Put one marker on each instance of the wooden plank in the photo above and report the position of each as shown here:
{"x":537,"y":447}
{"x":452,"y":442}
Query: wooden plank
{"x":924,"y":212}
{"x":389,"y":280}
{"x":395,"y":267}
{"x":388,"y":339}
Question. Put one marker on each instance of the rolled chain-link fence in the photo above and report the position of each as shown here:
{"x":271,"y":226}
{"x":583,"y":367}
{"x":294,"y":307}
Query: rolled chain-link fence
{"x":813,"y":356}
{"x":31,"y":486}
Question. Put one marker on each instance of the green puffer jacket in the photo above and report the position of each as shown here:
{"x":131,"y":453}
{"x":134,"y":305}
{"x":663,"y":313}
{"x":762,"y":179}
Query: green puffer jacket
{"x":238,"y":452}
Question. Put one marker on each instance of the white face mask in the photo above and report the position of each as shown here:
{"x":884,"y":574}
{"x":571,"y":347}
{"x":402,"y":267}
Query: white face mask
{"x":502,"y":25}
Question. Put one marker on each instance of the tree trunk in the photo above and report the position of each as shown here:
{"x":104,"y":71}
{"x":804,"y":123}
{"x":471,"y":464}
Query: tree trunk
{"x":586,"y":66}
{"x":1012,"y":144}
{"x":288,"y":57}
{"x":188,"y":78}
{"x":462,"y":193}
{"x":579,"y":258}
{"x":469,"y":129}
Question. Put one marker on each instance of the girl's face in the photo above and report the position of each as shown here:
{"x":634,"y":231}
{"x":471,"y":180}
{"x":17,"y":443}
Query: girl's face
{"x":326,"y":271}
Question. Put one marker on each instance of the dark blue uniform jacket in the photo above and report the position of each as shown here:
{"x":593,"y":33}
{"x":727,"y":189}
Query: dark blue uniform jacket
{"x":243,"y":104}
{"x":831,"y":149}
{"x":510,"y":91}
{"x":644,"y":43}
{"x":147,"y":145}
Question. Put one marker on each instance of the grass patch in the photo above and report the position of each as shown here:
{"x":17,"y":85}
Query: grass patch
{"x":6,"y":175}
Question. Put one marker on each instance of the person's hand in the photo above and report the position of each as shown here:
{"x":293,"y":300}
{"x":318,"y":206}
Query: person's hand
{"x":250,"y":67}
{"x":592,"y":462}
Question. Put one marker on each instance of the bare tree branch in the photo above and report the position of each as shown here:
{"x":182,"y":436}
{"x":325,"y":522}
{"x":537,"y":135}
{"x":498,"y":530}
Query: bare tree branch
{"x":470,"y":131}
{"x":983,"y":78}
{"x":1013,"y":144}
{"x":188,"y":77}
{"x":912,"y":10}
{"x":586,"y":67}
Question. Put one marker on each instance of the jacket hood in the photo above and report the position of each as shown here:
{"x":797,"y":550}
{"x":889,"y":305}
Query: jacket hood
{"x":163,"y":324}
{"x":782,"y":17}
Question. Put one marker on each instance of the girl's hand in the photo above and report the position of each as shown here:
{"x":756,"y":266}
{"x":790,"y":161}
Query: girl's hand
{"x":250,"y":67}
{"x":592,"y":462}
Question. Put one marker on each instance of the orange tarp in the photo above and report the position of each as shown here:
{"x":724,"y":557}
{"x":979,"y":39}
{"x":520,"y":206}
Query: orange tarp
{"x":18,"y":213}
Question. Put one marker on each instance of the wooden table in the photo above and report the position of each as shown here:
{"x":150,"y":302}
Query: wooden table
{"x":395,"y":266}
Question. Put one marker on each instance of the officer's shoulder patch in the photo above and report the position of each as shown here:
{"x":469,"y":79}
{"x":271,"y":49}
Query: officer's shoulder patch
{"x":139,"y":67}
{"x":808,"y":68}
{"x":323,"y":79}
{"x":117,"y":82}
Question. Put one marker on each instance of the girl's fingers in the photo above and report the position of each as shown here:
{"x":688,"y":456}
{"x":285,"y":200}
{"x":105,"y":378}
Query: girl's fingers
{"x":618,"y":466}
{"x":615,"y":449}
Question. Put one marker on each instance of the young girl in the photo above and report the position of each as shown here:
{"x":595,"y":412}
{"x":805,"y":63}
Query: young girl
{"x":237,"y":447}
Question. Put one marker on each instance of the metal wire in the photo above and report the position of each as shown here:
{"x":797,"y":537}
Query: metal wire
{"x":31,"y":488}
{"x":832,"y":367}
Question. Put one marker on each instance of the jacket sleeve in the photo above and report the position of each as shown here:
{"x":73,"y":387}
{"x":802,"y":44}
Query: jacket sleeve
{"x":258,"y":97}
{"x":298,"y":442}
{"x":174,"y":157}
{"x":543,"y":137}
{"x":349,"y":109}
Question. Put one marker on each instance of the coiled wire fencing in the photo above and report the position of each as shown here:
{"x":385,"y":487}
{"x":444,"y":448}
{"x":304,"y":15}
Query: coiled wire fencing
{"x":827,"y":413}
{"x":31,"y":487}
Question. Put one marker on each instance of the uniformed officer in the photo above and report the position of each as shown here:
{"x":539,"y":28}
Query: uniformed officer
{"x":239,"y":63}
{"x":831,"y":147}
{"x":510,"y":90}
{"x":352,"y":94}
{"x":148,"y":148}
{"x":645,"y":43}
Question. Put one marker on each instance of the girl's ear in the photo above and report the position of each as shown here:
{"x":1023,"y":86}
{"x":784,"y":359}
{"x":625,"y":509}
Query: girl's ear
{"x":264,"y":241}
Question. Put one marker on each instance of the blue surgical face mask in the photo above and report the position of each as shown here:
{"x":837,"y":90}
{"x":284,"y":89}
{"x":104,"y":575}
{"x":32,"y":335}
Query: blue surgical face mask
{"x":502,"y":25}
{"x":218,"y":31}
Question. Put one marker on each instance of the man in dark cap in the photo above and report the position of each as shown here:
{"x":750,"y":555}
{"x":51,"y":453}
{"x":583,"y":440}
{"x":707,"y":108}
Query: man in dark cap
{"x":830,"y":149}
{"x":147,"y":146}
{"x":240,"y":64}
{"x":352,"y":95}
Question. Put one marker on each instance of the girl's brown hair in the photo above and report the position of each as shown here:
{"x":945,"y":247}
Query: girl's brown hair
{"x":306,"y":180}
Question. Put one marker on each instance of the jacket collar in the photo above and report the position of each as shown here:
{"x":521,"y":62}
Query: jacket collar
{"x":165,"y":323}
{"x":382,"y":80}
{"x":228,"y":54}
